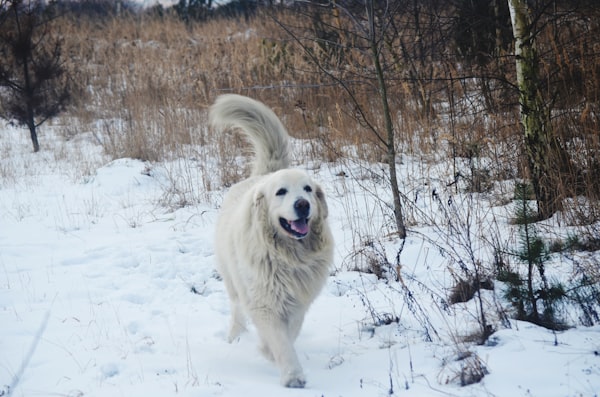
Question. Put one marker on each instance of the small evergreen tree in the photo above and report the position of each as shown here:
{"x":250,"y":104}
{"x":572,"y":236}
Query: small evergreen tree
{"x":33,"y":83}
{"x":534,"y":298}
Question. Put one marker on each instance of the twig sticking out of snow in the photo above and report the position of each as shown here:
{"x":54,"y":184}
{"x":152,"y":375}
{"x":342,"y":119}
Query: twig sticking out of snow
{"x":25,"y":363}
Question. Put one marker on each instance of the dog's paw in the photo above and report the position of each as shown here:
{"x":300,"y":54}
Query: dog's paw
{"x":294,"y":380}
{"x":231,"y":339}
{"x":234,"y":332}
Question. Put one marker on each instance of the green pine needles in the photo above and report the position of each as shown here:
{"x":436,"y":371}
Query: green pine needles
{"x":534,"y":297}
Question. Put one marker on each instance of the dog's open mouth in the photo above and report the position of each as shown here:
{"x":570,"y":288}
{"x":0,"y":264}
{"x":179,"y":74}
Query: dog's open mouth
{"x":298,"y":228}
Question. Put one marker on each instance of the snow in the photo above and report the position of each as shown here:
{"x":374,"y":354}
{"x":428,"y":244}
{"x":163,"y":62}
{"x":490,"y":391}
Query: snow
{"x":151,"y":3}
{"x":105,"y":292}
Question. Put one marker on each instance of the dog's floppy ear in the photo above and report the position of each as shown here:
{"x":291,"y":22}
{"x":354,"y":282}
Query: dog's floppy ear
{"x":260,"y":210}
{"x":258,"y":193}
{"x":259,"y":203}
{"x":323,"y":209}
{"x":259,"y":196}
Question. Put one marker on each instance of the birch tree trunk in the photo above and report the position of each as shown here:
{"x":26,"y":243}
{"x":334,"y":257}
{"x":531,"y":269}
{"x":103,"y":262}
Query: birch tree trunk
{"x":541,"y":145}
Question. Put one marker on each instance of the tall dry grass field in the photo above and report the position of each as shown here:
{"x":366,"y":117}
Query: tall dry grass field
{"x":144,"y":83}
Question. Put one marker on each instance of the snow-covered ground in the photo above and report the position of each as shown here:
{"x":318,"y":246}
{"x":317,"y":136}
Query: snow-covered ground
{"x":106,"y":292}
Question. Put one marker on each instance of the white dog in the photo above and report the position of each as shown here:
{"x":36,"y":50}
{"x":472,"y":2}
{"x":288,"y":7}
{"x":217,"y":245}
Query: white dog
{"x":273,"y":244}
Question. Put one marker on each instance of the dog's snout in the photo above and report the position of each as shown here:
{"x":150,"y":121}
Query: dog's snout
{"x":302,"y":208}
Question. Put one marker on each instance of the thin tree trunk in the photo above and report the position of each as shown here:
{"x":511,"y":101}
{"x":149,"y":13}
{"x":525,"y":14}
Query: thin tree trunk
{"x":28,"y":89}
{"x":34,"y":139}
{"x":30,"y":111}
{"x":389,"y":127}
{"x":541,"y":146}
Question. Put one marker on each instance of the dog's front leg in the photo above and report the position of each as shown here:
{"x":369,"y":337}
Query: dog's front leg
{"x":277,"y":343}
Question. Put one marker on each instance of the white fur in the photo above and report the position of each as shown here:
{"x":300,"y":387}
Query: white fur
{"x":272,"y":274}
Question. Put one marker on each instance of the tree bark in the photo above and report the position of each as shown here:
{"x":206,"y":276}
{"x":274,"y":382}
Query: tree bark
{"x":29,"y":95}
{"x":541,"y":146}
{"x":28,"y":91}
{"x":389,"y":127}
{"x":34,"y":139}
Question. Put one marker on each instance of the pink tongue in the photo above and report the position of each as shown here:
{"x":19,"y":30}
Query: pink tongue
{"x":299,"y":226}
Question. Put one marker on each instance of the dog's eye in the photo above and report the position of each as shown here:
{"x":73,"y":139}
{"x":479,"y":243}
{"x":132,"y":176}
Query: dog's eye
{"x":281,"y":192}
{"x":307,"y":189}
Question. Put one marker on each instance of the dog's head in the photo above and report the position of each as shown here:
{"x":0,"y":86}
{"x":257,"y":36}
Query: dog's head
{"x":294,"y":202}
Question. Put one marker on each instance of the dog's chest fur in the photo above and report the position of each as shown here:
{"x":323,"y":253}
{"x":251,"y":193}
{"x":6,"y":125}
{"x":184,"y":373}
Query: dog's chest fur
{"x":290,"y":274}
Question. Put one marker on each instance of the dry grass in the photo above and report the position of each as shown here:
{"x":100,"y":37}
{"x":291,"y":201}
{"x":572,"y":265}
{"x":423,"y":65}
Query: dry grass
{"x":144,"y":83}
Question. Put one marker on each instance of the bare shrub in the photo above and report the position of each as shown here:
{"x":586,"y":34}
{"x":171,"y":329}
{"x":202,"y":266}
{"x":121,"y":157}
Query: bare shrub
{"x":464,"y":368}
{"x":465,"y":289}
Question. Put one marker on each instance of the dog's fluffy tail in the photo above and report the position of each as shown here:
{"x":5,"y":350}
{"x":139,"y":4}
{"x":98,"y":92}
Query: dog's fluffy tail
{"x":261,"y":126}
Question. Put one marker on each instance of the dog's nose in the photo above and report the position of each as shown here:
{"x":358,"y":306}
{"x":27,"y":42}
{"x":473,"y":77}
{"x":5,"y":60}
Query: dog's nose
{"x":302,"y":208}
